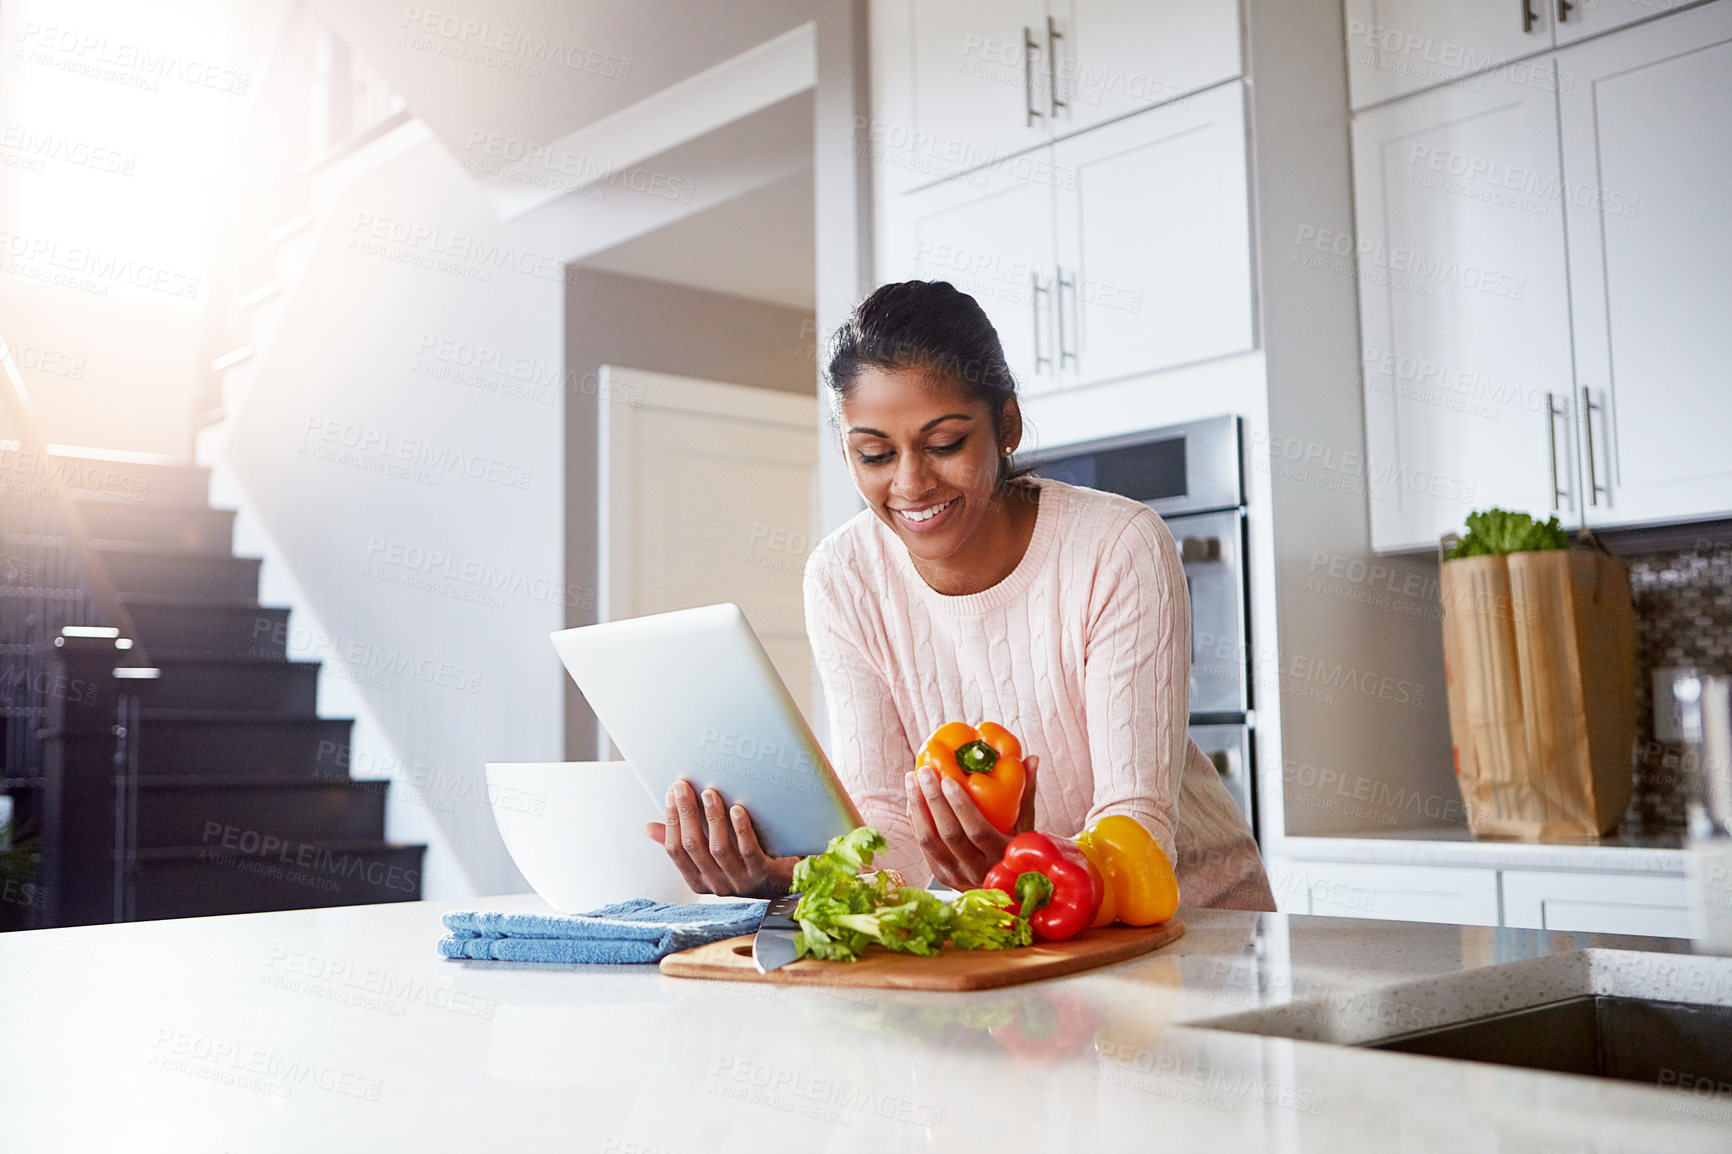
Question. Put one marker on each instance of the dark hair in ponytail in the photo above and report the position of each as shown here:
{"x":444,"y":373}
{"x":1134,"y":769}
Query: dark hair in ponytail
{"x":932,"y":325}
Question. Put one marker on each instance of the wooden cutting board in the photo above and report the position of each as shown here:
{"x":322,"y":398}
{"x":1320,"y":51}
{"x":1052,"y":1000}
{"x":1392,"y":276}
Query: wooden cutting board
{"x":731,"y":961}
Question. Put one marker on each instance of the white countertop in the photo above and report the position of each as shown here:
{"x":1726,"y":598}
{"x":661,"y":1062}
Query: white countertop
{"x":335,"y":1030}
{"x":1657,"y":854}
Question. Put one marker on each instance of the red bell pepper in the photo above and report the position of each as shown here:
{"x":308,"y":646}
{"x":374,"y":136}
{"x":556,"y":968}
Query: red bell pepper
{"x":1060,"y":889}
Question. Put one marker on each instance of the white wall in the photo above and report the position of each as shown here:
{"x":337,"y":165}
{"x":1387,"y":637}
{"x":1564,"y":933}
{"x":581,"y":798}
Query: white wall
{"x":1364,"y":726}
{"x":402,"y":449}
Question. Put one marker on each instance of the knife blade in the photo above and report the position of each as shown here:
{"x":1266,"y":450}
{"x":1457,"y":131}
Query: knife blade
{"x":773,"y":946}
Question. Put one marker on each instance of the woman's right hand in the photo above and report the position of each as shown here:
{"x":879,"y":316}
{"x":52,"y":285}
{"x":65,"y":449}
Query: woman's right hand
{"x":717,"y":850}
{"x":959,"y":844}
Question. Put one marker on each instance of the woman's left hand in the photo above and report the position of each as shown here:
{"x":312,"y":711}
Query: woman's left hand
{"x":717,"y":850}
{"x":959,"y":843}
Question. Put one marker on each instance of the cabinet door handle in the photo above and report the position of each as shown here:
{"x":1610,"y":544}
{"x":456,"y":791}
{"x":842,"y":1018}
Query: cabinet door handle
{"x":1029,"y":48}
{"x":1528,"y":16}
{"x":1063,"y":282}
{"x":1035,"y":290}
{"x":1564,"y":10}
{"x":1052,"y":34}
{"x":1588,"y":411}
{"x":1558,"y":493}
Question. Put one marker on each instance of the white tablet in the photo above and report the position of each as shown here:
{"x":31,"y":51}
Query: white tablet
{"x":692,"y":694}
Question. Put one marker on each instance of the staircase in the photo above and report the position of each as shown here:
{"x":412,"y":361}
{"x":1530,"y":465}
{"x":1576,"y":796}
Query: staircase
{"x":244,"y":800}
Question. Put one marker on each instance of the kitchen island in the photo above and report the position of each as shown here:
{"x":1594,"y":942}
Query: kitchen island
{"x":342,"y":1029}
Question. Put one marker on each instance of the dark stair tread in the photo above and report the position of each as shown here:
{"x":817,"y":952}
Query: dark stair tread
{"x":194,"y":528}
{"x":232,"y":716}
{"x":139,"y":548}
{"x":129,"y":545}
{"x":160,"y":656}
{"x":188,"y":628}
{"x":224,"y":746}
{"x":152,"y":484}
{"x":171,"y":657}
{"x":192,"y":601}
{"x":153,"y":570}
{"x":183,"y":852}
{"x":253,"y":780}
{"x":243,"y":684}
{"x":193,"y":881}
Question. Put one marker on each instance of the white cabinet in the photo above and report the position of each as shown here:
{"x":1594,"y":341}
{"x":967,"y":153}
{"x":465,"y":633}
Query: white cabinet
{"x":991,"y":235}
{"x":963,"y":84}
{"x":1545,"y":271}
{"x":1647,"y":146}
{"x":1114,"y":57}
{"x":1118,"y":251}
{"x":1600,"y":903}
{"x":1596,"y":903}
{"x":1389,"y":892}
{"x":977,"y":79}
{"x":1398,"y":47}
{"x":1577,"y":19}
{"x":1395,"y":47}
{"x":1464,"y":308}
{"x":1154,"y":245}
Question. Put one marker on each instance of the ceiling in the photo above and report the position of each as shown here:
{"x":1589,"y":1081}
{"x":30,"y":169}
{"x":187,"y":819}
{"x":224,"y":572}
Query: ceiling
{"x":484,"y":74}
{"x":758,"y":245}
{"x":539,"y":70}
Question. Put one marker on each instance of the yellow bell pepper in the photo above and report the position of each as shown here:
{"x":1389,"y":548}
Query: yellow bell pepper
{"x":1141,"y":889}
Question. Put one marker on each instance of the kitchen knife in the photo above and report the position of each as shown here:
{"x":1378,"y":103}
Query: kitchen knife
{"x":773,"y":947}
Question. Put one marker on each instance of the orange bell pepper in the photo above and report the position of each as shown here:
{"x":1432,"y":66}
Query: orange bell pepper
{"x":988,"y":763}
{"x":1141,"y":889}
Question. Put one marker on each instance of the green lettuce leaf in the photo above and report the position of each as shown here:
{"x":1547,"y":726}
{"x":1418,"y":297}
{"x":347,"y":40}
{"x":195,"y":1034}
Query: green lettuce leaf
{"x":987,"y":920}
{"x":843,"y":909}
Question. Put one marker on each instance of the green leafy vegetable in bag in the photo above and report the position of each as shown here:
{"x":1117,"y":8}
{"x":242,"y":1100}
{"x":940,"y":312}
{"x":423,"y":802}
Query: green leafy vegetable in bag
{"x":1496,"y":531}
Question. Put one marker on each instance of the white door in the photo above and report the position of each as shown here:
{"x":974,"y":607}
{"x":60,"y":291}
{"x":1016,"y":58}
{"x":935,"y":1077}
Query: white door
{"x":1464,"y":310}
{"x":1395,"y":47}
{"x":979,"y":80}
{"x":1154,"y":252}
{"x":705,"y":496}
{"x":1113,"y":57}
{"x":1577,"y":19}
{"x":1648,"y":161}
{"x":990,"y":235}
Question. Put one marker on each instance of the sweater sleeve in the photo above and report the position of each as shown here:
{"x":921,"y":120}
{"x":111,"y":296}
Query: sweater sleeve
{"x":869,"y":746}
{"x":1136,"y":678}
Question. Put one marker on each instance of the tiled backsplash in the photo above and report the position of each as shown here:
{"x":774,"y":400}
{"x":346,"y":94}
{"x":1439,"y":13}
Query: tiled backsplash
{"x":1683,"y":618}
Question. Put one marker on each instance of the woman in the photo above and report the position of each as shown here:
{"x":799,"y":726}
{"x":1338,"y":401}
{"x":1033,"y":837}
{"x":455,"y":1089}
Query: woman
{"x":969,"y":592}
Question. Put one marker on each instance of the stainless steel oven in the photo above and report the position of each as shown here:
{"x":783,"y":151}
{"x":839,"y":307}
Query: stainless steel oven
{"x":1193,"y":476}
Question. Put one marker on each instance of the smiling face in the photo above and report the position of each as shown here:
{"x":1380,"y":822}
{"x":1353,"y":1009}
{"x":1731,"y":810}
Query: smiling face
{"x":924,"y":456}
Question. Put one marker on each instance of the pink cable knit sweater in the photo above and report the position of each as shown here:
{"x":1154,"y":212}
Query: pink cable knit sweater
{"x":1082,"y":652}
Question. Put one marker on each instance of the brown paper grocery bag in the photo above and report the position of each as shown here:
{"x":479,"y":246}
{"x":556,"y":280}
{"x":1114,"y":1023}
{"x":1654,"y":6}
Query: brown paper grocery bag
{"x":1539,"y":654}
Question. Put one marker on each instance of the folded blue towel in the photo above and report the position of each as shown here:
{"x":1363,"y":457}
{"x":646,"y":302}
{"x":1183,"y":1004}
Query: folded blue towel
{"x":640,"y":930}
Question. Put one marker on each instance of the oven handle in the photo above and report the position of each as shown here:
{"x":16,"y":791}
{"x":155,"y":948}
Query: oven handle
{"x":1198,"y":550}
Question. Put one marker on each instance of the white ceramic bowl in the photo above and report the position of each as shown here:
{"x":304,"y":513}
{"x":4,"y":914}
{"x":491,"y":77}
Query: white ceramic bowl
{"x":575,"y":830}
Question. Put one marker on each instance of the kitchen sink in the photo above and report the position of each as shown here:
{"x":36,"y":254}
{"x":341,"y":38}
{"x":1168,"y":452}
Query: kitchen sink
{"x":1636,"y":1039}
{"x":1664,"y":1019}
